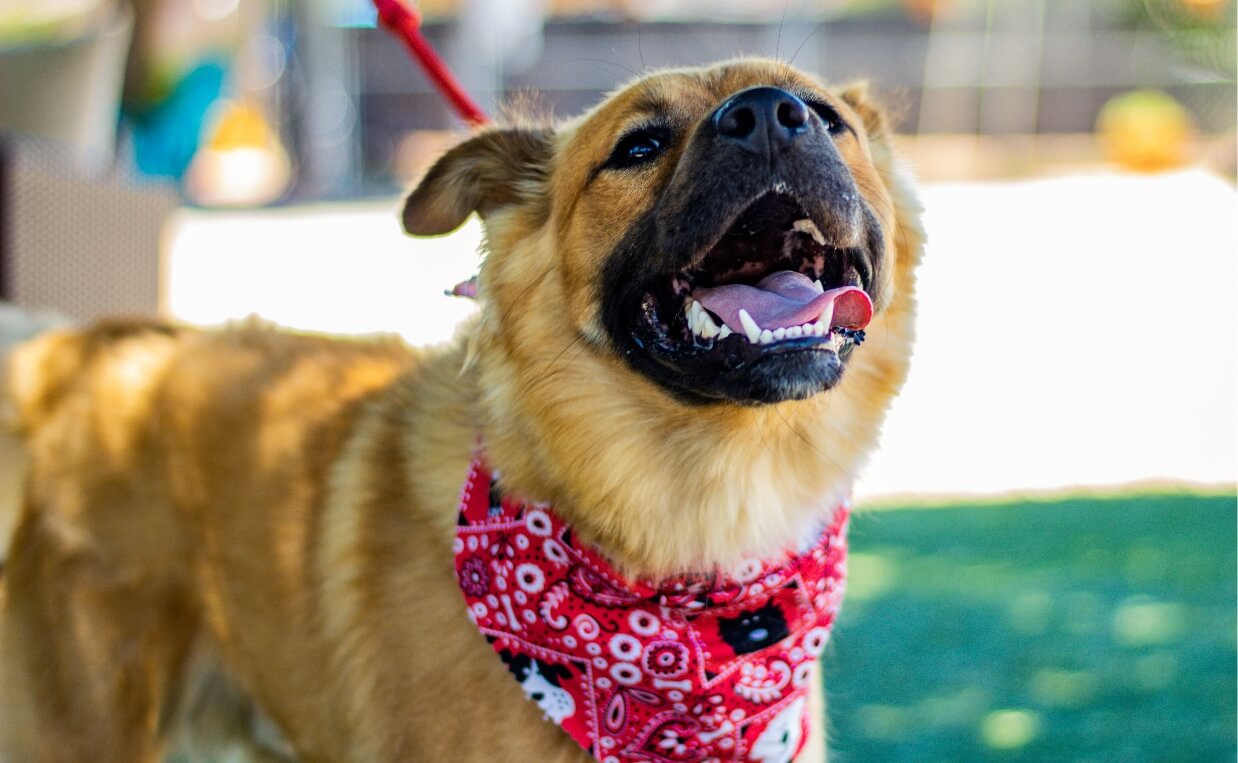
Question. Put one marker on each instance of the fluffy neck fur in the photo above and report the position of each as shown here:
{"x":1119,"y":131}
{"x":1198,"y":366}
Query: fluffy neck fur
{"x":659,"y":486}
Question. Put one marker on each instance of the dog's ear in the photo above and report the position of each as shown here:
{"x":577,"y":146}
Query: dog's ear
{"x":857,"y":96}
{"x":494,"y":169}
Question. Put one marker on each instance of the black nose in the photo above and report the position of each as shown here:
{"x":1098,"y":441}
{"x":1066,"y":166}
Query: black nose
{"x":762,"y":119}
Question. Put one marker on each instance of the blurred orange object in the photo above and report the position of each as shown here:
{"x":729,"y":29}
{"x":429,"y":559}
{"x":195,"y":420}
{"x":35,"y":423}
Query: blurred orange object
{"x":242,"y":126}
{"x":925,"y":11}
{"x":1206,"y":9}
{"x":243,"y":163}
{"x":1145,"y":131}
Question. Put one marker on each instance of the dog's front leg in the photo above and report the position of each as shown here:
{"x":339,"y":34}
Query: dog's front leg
{"x":87,"y":652}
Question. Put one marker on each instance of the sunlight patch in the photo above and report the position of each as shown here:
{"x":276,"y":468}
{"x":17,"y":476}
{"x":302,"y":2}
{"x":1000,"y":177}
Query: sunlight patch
{"x":1140,"y":621}
{"x":1009,"y":729}
{"x":869,"y":576}
{"x":1055,"y":687}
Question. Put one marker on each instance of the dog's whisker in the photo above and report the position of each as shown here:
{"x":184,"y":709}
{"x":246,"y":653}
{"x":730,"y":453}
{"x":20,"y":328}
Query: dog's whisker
{"x":813,"y":33}
{"x":550,"y":366}
{"x":804,"y":438}
{"x":605,"y":62}
{"x":782,"y":20}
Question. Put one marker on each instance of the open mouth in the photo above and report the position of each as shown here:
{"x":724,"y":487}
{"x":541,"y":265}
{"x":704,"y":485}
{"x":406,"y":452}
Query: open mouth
{"x":772,"y":285}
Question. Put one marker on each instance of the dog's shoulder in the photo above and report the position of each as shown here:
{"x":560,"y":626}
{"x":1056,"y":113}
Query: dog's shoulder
{"x":39,"y":374}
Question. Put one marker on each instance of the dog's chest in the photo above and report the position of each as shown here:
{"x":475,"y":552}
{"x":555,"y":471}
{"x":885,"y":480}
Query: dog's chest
{"x":687,"y":669}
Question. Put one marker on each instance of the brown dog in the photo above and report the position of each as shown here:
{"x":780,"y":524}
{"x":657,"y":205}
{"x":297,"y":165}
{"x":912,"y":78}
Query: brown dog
{"x":269,"y":516}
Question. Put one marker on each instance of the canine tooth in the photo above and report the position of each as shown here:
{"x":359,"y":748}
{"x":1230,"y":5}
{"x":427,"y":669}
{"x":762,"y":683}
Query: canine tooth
{"x":767,"y":336}
{"x":809,"y":227}
{"x":817,"y":283}
{"x":707,"y":320}
{"x":750,"y":326}
{"x":705,"y":325}
{"x":780,"y":334}
{"x":698,"y":318}
{"x":725,"y":331}
{"x":795,"y":332}
{"x":819,"y":330}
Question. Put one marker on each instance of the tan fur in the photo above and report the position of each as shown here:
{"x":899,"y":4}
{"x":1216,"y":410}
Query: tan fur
{"x":282,"y":506}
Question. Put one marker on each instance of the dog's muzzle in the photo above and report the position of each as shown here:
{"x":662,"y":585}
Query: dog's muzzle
{"x":752,"y":277}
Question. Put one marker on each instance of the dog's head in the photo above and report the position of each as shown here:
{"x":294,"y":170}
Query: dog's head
{"x":725,"y":231}
{"x":690,"y":264}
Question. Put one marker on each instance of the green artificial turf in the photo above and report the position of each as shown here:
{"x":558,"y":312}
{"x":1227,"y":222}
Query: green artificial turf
{"x":1075,"y":630}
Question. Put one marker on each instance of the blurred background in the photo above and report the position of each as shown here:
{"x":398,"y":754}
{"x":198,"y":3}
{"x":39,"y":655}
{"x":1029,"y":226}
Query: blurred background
{"x":1051,"y":571}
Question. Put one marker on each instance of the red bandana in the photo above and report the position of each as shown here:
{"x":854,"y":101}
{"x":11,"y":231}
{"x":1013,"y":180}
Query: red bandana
{"x":692,"y":668}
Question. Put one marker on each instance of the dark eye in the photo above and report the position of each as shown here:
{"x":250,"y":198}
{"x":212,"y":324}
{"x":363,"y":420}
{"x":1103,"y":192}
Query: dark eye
{"x":833,"y":122}
{"x":637,"y":148}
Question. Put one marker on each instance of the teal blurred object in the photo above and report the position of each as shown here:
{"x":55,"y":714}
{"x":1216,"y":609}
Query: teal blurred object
{"x":1076,"y":630}
{"x":167,"y":135}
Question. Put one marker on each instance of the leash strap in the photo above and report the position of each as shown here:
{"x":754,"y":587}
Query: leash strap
{"x":405,"y":23}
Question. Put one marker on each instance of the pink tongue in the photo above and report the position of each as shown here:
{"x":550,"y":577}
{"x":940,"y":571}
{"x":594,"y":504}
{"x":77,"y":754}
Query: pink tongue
{"x":785,"y":299}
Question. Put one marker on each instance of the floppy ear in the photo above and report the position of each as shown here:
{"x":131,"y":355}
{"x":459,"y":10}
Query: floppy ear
{"x":493,"y":169}
{"x":856,"y":96}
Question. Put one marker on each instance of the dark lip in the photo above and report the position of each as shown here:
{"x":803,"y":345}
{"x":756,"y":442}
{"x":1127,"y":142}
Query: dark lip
{"x":741,"y":253}
{"x":657,"y":327}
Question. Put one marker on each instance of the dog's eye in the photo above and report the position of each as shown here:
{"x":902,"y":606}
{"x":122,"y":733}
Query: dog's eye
{"x":833,"y":121}
{"x":637,"y":148}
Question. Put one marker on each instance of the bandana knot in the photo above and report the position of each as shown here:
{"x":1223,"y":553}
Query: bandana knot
{"x":691,"y":668}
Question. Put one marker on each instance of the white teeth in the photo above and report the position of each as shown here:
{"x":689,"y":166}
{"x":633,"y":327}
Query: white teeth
{"x":757,"y":335}
{"x":750,"y":326}
{"x":809,"y":227}
{"x":701,"y":322}
{"x":817,"y":283}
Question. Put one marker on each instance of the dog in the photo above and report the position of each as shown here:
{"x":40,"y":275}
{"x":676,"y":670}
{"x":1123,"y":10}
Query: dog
{"x":664,"y":376}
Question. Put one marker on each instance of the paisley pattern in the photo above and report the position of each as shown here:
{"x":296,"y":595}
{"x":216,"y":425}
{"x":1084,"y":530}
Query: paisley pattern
{"x":693,"y":668}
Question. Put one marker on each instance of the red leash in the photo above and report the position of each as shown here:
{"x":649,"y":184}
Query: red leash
{"x":405,"y":23}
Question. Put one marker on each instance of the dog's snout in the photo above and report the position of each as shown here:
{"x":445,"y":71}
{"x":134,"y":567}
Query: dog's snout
{"x":761,"y":119}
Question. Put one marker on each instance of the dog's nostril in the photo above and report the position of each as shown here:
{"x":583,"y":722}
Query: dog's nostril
{"x":737,"y":122}
{"x":792,"y":114}
{"x":762,"y":119}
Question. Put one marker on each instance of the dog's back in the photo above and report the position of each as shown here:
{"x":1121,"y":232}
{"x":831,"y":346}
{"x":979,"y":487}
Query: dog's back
{"x":17,"y":325}
{"x":150,"y":449}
